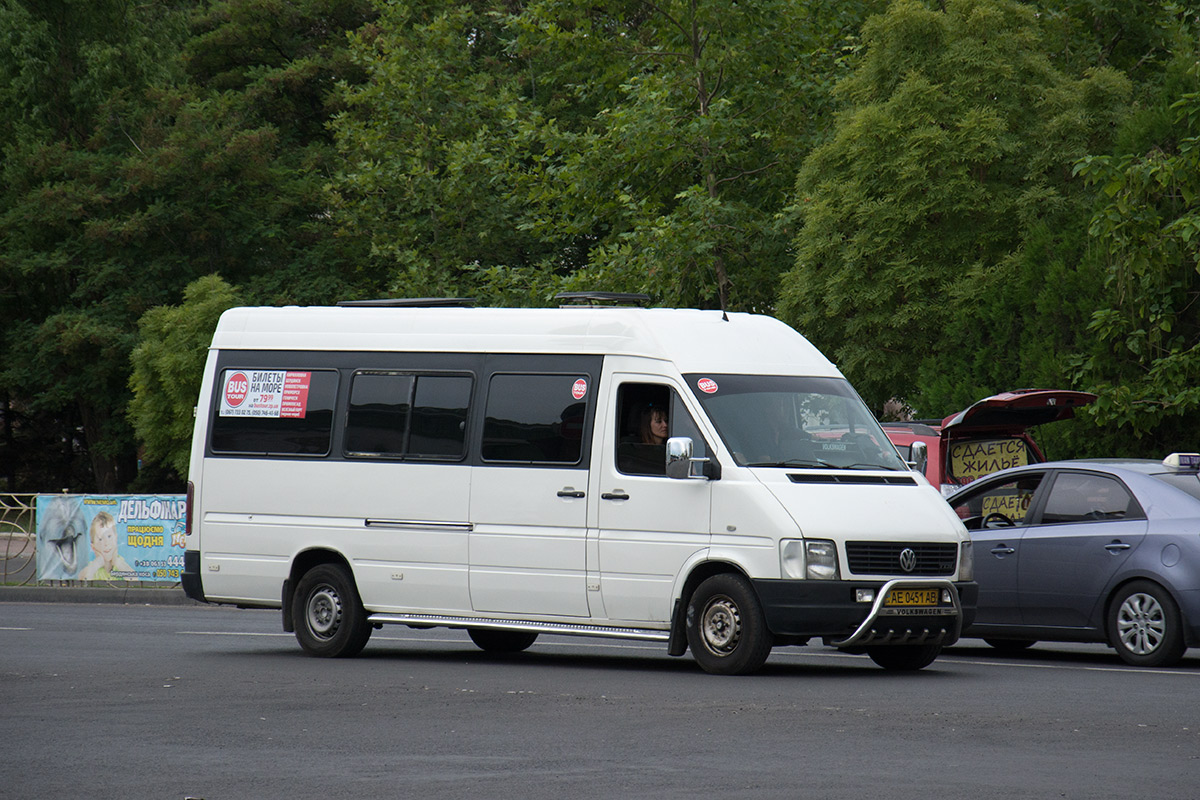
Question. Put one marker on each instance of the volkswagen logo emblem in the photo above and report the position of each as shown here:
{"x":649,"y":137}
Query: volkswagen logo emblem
{"x":908,"y":559}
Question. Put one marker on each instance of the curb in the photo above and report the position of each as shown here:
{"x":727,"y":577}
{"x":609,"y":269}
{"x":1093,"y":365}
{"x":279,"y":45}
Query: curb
{"x":96,"y":595}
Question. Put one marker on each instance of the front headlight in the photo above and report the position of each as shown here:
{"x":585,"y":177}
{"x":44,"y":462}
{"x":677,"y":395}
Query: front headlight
{"x":810,"y":559}
{"x":966,"y":561}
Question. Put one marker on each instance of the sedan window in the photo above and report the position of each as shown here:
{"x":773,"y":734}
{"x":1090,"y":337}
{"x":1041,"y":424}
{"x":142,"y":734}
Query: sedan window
{"x":995,"y":505}
{"x":1079,"y":497}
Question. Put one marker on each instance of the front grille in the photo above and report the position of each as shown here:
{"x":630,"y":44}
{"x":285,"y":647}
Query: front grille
{"x":883,"y":558}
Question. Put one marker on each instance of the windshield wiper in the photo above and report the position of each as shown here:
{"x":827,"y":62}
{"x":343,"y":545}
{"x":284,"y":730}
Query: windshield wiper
{"x":796,"y":462}
{"x":809,"y":462}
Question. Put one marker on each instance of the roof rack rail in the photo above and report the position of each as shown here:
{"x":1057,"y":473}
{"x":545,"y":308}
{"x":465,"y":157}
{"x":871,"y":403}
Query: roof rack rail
{"x":596,"y":298}
{"x":411,"y":302}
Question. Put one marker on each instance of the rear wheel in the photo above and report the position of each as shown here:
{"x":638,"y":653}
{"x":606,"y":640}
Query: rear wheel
{"x":1144,"y":626}
{"x":726,"y":628}
{"x":501,"y":641}
{"x":327,"y":613}
{"x":905,"y":657}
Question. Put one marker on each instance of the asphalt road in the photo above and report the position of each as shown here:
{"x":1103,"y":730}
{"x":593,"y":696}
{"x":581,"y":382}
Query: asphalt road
{"x":204,"y":702}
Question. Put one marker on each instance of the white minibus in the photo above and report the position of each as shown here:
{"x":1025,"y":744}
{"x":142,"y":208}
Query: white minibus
{"x":701,"y":479}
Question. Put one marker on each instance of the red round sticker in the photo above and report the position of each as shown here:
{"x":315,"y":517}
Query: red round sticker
{"x":236,"y":389}
{"x":706,"y":385}
{"x":579,"y":389}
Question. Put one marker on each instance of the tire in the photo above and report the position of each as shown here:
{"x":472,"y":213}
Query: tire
{"x":1011,"y":645}
{"x":501,"y":641}
{"x":328,"y":615}
{"x":905,"y":657}
{"x":726,"y":628}
{"x":1144,"y":626}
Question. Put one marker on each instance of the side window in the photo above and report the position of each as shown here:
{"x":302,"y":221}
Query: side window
{"x":276,"y":412}
{"x":535,"y":419}
{"x":1079,"y":497}
{"x":439,"y":422}
{"x":380,"y":406}
{"x":648,"y":415}
{"x":999,"y":504}
{"x":402,"y":415}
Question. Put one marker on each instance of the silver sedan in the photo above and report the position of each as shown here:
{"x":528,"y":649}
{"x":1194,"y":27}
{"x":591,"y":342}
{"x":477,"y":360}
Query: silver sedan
{"x":1089,"y":551}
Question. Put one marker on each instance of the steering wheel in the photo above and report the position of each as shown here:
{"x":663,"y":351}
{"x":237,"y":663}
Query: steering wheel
{"x":999,"y":519}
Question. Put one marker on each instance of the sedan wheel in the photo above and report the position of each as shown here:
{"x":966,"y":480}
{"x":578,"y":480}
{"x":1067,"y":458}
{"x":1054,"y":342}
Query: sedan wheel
{"x":1144,"y":626}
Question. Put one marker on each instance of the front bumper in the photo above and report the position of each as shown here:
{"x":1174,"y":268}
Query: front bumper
{"x":828,"y":609}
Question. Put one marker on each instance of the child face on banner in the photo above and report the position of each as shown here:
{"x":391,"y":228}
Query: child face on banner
{"x":104,"y":542}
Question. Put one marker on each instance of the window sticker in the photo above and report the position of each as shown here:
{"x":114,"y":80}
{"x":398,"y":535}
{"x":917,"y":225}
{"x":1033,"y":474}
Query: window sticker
{"x":265,"y":393}
{"x":579,"y":389}
{"x":706,"y":385}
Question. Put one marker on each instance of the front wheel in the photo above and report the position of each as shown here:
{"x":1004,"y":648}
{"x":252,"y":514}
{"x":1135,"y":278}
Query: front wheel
{"x":905,"y":657}
{"x":726,"y":628}
{"x":327,"y":613}
{"x":1144,"y":626}
{"x":501,"y":641}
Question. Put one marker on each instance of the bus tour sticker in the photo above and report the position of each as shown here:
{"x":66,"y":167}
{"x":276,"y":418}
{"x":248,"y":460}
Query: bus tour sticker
{"x":265,"y":393}
{"x":579,"y":389}
{"x":706,"y":385}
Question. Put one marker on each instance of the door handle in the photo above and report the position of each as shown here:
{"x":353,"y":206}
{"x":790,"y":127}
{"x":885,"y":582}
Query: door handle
{"x":1002,"y":550}
{"x":569,"y":492}
{"x":1117,"y":546}
{"x":617,"y":495}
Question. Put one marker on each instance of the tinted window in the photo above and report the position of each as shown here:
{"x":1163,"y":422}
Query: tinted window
{"x":397,"y":414}
{"x":284,"y":412}
{"x":439,"y":416}
{"x":1079,"y":497}
{"x":378,"y":416}
{"x":535,"y":418}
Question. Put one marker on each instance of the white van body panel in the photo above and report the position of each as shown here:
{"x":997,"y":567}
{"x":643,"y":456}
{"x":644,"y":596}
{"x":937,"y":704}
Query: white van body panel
{"x":690,"y":340}
{"x":400,"y":564}
{"x":528,"y":551}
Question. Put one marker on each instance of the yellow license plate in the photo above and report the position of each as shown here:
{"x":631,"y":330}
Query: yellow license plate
{"x":911,"y":597}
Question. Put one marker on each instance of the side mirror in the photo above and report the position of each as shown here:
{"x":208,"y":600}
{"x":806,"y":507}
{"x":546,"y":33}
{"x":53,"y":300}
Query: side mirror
{"x":680,"y":460}
{"x":920,"y":457}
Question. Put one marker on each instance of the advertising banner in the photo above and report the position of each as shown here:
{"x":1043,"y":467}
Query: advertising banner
{"x":110,"y":537}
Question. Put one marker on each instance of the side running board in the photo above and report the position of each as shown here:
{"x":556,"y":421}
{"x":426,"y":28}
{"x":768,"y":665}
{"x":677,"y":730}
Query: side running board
{"x":560,"y":628}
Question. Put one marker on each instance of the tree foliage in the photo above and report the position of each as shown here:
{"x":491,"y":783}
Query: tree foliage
{"x":952,"y":156}
{"x":624,"y":146}
{"x":168,"y":365}
{"x":1146,"y":365}
{"x":124,"y":179}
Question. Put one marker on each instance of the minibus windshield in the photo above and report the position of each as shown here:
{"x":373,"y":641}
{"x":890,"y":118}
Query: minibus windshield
{"x":794,"y":422}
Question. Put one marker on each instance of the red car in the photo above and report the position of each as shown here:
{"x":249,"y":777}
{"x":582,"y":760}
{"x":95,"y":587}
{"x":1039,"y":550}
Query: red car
{"x":990,"y":435}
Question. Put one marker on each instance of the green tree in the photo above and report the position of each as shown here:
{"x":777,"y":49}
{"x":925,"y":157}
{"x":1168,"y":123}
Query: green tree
{"x":72,"y":77}
{"x":558,"y":144}
{"x":1146,"y":363}
{"x":927,"y":220}
{"x":135,"y":164}
{"x":168,"y":365}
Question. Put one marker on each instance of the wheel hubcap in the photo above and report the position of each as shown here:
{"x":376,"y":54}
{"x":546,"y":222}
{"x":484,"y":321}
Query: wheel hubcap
{"x":721,"y":626}
{"x":324,"y":612}
{"x":1141,"y":624}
